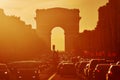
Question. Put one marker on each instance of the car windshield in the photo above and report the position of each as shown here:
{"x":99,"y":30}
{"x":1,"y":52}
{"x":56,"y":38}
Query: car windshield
{"x":95,"y":62}
{"x":116,"y":69}
{"x":103,"y":67}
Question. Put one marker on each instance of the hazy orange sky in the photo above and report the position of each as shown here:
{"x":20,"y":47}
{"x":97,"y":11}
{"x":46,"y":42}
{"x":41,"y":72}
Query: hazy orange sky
{"x":26,"y":9}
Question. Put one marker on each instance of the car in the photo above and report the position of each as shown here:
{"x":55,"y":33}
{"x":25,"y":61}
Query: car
{"x":81,"y":67}
{"x":92,"y":65}
{"x":100,"y":71}
{"x":60,"y":65}
{"x":4,"y":72}
{"x":113,"y":73}
{"x":26,"y":70}
{"x":86,"y":70}
{"x":67,"y":69}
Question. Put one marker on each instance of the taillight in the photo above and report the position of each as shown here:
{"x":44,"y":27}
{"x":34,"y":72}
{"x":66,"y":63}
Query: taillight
{"x":61,"y":67}
{"x":5,"y":72}
{"x":98,"y":70}
{"x":18,"y":72}
{"x":35,"y":71}
{"x":109,"y":72}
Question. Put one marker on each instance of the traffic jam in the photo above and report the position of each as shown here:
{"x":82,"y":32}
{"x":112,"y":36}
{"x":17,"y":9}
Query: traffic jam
{"x":74,"y":69}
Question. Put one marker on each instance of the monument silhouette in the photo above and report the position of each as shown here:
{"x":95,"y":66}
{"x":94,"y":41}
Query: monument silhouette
{"x":20,"y":40}
{"x":67,"y":19}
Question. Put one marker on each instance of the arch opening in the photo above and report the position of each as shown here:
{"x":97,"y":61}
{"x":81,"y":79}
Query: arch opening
{"x":58,"y":39}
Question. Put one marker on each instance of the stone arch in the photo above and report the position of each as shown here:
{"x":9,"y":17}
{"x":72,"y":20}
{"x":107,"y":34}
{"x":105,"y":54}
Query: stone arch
{"x":67,"y":19}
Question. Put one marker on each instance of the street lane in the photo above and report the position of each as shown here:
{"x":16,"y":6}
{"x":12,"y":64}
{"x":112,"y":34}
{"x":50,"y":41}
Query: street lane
{"x":65,"y":77}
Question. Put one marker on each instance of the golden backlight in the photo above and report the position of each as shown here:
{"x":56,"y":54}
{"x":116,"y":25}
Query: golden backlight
{"x":25,"y":9}
{"x":58,"y":39}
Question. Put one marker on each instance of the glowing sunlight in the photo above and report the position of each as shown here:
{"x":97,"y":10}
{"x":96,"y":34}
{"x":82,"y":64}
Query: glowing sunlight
{"x":57,"y":39}
{"x":2,"y":2}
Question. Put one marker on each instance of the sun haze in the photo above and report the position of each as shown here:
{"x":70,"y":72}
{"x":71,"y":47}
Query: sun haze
{"x":57,"y":36}
{"x":26,"y":9}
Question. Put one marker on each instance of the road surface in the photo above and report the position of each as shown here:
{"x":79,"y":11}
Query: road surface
{"x":55,"y":76}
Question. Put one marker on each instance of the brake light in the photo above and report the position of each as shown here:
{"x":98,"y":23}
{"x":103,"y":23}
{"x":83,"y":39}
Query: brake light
{"x":109,"y":72}
{"x":35,"y":71}
{"x":98,"y":70}
{"x":61,"y":67}
{"x":19,"y":76}
{"x":18,"y":72}
{"x":6,"y":72}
